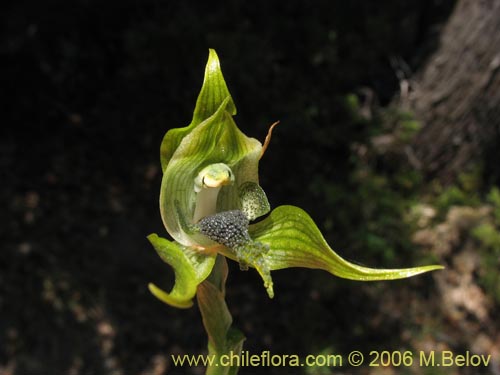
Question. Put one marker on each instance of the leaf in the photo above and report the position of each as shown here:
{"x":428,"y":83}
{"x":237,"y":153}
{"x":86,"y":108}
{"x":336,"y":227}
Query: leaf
{"x":217,"y":320}
{"x":295,"y":241}
{"x":191,"y":268}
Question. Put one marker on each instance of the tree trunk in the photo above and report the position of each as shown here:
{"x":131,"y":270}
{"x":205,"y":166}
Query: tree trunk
{"x":457,"y":94}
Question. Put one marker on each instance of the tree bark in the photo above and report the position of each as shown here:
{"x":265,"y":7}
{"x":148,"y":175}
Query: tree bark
{"x":457,"y":93}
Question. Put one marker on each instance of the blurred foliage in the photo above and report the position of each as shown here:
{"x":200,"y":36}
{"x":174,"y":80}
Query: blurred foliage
{"x":494,"y":199}
{"x":488,"y":235}
{"x":367,"y":212}
{"x":466,"y":191}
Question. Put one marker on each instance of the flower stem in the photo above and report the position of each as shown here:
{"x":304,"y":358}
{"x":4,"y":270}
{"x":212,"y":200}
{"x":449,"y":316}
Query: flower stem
{"x":222,"y":338}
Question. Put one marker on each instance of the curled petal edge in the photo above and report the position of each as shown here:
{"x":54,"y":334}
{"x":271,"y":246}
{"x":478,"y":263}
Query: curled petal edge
{"x":191,"y":268}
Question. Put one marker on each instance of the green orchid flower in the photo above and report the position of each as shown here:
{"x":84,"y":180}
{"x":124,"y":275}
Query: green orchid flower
{"x":210,"y":199}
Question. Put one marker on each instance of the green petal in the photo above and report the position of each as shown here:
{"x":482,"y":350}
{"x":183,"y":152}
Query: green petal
{"x":191,"y":268}
{"x":295,"y":241}
{"x":214,"y":138}
{"x":213,"y":92}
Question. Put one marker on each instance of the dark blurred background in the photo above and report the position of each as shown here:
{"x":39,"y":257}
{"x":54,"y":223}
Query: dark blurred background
{"x":88,"y":90}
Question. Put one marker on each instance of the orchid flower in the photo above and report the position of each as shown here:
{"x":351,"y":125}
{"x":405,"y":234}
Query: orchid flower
{"x":211,"y":203}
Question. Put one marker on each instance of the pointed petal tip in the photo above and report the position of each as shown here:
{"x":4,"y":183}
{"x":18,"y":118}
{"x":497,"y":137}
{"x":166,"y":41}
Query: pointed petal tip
{"x":434,"y":267}
{"x":168,"y":299}
{"x":409,"y":272}
{"x":213,"y":63}
{"x":151,"y":236}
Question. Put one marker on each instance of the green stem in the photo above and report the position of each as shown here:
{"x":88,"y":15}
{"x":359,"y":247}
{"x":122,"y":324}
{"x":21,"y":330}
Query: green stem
{"x":222,"y":338}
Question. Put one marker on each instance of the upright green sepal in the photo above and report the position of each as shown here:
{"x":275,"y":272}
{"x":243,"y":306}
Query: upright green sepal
{"x":212,"y":138}
{"x":213,"y":92}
